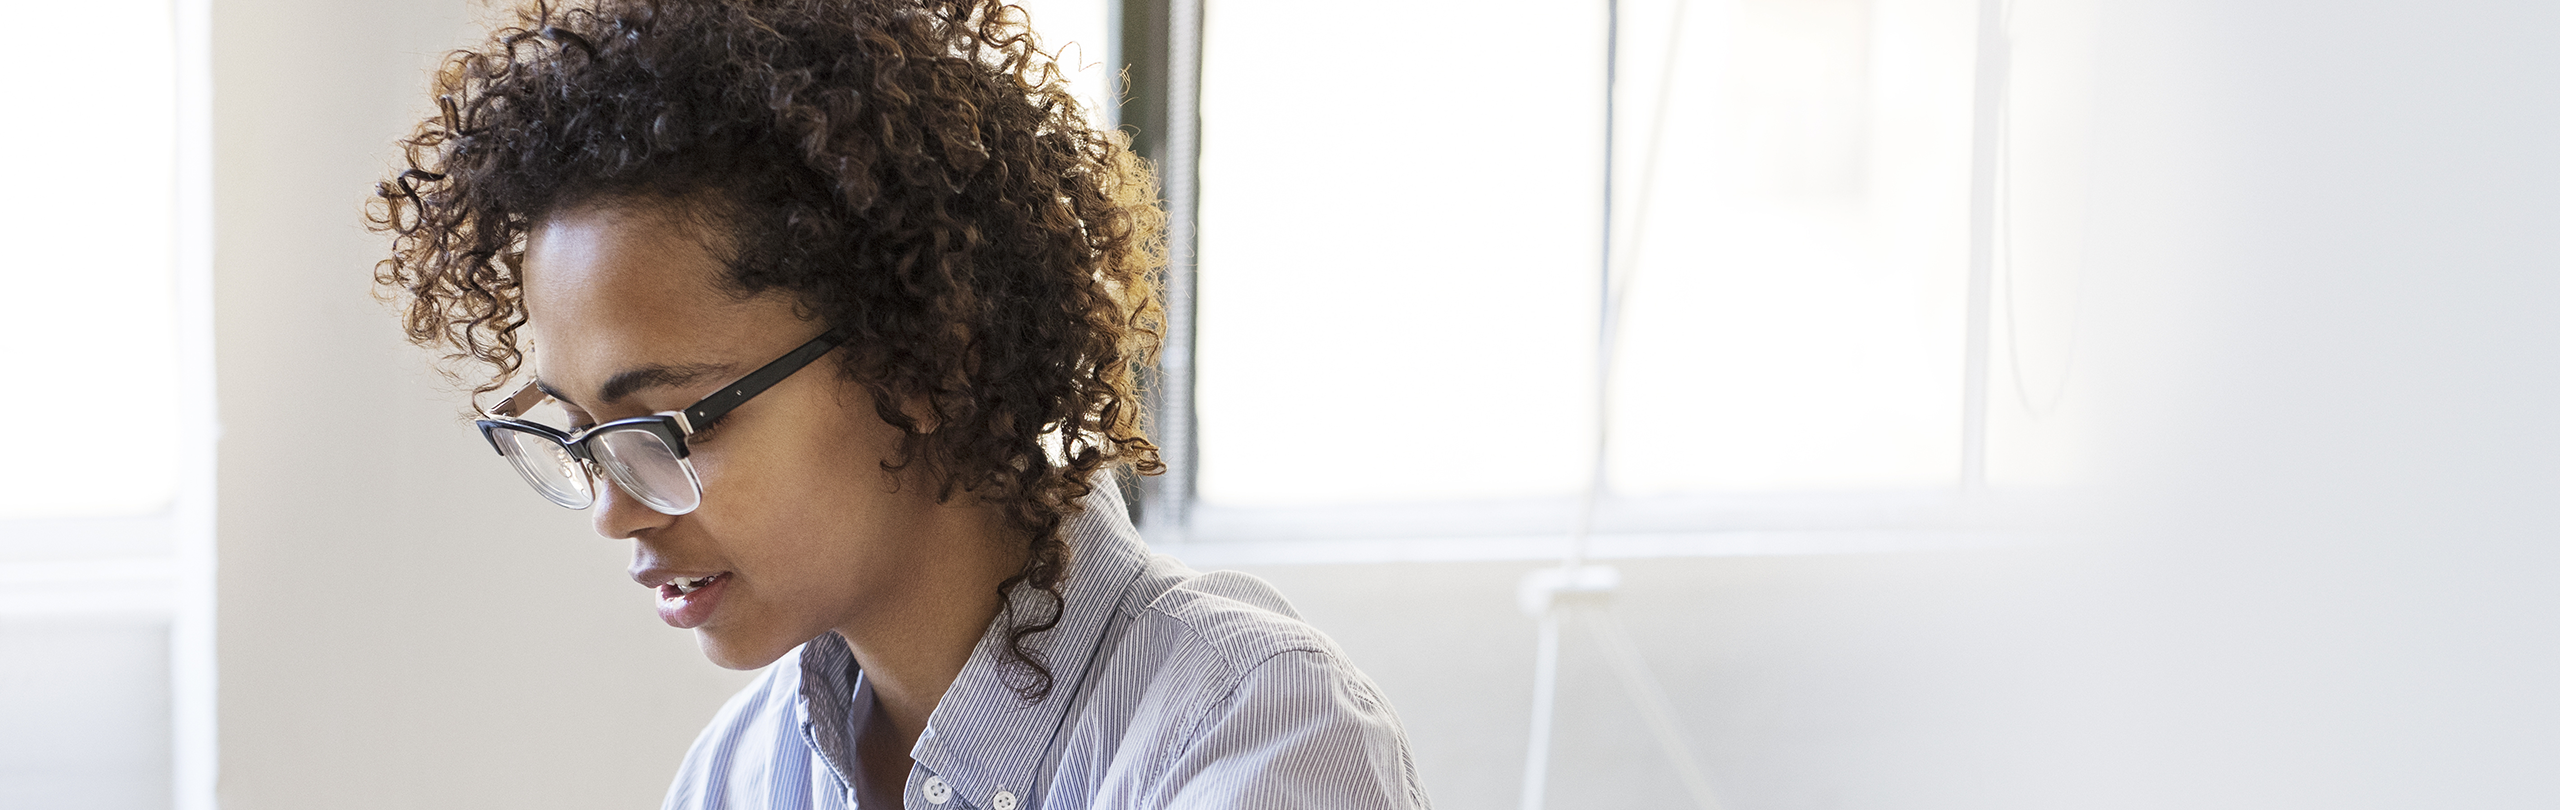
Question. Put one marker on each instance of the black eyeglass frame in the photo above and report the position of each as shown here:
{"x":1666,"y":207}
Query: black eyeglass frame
{"x":670,"y":427}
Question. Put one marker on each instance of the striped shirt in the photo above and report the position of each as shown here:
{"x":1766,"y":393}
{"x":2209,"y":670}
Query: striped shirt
{"x":1175,"y":689}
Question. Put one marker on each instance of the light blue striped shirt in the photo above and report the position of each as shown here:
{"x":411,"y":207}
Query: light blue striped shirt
{"x":1175,"y":689}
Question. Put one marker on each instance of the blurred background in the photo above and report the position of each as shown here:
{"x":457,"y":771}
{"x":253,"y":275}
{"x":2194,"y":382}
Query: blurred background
{"x":2004,"y":403}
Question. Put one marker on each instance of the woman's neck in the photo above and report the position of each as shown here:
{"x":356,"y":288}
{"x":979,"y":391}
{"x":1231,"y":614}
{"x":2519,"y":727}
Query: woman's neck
{"x":912,"y":649}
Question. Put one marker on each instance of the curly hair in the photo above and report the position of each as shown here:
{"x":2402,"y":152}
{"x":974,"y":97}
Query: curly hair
{"x":913,"y":172}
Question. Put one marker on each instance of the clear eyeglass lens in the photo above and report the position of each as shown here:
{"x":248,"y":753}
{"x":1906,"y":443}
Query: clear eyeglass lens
{"x":643,"y":465}
{"x":548,"y":467}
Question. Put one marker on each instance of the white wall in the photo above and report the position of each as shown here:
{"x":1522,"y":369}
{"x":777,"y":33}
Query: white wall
{"x":2330,"y":300}
{"x":401,"y":625}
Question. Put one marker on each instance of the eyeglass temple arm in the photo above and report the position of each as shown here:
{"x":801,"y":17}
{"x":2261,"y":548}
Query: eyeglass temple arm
{"x":717,"y":405}
{"x":517,"y":403}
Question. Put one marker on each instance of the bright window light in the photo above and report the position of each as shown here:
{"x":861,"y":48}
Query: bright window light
{"x":89,"y":220}
{"x":1795,"y":310}
{"x":1399,"y":248}
{"x":1078,"y":32}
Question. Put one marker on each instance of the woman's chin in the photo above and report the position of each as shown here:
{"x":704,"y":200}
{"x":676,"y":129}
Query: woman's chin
{"x":731,"y":652}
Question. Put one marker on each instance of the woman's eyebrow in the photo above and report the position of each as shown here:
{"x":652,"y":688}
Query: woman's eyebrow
{"x":631,"y":381}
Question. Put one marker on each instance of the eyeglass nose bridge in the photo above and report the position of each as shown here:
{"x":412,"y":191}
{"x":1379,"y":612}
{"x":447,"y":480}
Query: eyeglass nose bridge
{"x":599,"y":480}
{"x":658,"y":456}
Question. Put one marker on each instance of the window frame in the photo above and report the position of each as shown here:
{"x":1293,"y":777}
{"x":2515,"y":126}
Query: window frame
{"x":1158,"y":46}
{"x":155,"y":567}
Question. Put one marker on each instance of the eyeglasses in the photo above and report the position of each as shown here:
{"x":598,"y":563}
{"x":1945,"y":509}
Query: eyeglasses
{"x":644,"y":455}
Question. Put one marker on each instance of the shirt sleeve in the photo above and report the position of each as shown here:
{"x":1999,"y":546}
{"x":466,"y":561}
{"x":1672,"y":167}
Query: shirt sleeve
{"x":1302,"y":729}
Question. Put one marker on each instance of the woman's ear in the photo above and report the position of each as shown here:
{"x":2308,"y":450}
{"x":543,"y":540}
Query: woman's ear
{"x":920,"y":409}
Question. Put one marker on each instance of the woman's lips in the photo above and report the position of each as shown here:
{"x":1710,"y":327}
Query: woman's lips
{"x":687,"y":609}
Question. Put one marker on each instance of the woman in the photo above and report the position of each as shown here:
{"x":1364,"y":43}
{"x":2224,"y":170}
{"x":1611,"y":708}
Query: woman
{"x":843,"y":302}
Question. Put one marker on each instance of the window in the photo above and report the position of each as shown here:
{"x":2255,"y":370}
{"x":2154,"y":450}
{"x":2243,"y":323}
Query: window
{"x":102,"y":500}
{"x":91,"y":228}
{"x":1397,"y":251}
{"x":1400,"y":267}
{"x":1079,"y":33}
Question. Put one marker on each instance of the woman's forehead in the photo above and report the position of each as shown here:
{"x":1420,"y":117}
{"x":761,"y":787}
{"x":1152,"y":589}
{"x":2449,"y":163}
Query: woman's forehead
{"x":609,"y":292}
{"x":632,"y":250}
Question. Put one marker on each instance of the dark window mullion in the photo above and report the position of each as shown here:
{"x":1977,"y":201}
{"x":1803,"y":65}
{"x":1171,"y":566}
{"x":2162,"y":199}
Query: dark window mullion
{"x":1158,"y":48}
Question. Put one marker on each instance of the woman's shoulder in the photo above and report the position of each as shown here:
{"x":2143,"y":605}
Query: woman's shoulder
{"x":1234,"y":615}
{"x":1216,"y":641}
{"x":1238,"y":701}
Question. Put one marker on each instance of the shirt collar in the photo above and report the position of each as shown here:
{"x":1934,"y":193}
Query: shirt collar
{"x":983,"y":738}
{"x":833,"y":699}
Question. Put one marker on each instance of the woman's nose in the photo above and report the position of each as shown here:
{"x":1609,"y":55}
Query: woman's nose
{"x":619,"y":516}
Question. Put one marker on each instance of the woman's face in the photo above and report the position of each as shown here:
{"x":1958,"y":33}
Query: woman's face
{"x":799,"y":528}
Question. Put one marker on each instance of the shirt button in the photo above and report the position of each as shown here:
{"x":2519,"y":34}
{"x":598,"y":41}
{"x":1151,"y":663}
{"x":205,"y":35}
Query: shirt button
{"x":936,"y":790}
{"x":1004,"y":800}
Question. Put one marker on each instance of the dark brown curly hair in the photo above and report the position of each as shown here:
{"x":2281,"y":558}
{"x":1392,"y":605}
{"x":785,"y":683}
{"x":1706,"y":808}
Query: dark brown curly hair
{"x":912,"y":171}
